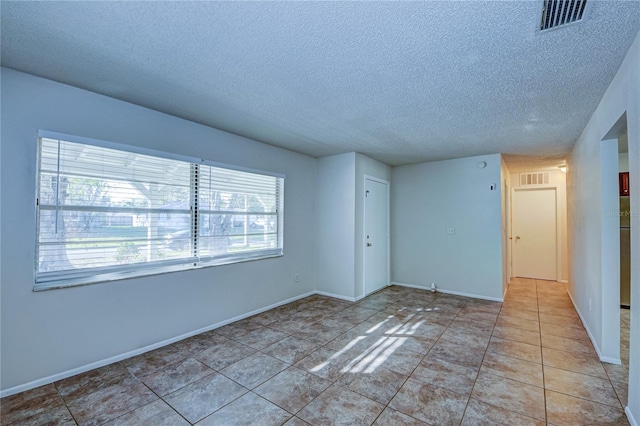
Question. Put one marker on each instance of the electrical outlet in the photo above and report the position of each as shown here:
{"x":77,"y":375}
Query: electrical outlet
{"x":296,"y":278}
{"x":451,"y":231}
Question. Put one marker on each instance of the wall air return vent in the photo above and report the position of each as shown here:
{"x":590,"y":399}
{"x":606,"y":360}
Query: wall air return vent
{"x":558,"y":13}
{"x":527,"y":179}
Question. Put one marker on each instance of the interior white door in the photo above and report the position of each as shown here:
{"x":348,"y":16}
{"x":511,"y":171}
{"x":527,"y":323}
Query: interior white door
{"x":534,"y":237}
{"x":376,"y":234}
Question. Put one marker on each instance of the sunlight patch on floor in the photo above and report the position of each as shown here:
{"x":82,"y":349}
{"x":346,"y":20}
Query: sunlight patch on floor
{"x":350,"y":345}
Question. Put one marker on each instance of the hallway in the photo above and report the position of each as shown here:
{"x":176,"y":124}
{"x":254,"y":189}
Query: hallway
{"x":579,"y":389}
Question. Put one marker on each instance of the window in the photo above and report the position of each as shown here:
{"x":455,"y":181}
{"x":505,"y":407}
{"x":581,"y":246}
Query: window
{"x":107,"y":212}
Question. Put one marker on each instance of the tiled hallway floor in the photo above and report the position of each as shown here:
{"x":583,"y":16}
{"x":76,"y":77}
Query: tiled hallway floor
{"x":399,"y":357}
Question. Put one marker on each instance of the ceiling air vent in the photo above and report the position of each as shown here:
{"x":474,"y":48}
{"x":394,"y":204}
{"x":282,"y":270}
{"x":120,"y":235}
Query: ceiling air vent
{"x":557,"y":13}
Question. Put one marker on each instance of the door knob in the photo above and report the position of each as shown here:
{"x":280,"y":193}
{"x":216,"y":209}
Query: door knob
{"x":517,"y":237}
{"x":369,"y":244}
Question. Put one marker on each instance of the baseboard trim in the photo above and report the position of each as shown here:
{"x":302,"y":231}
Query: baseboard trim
{"x":83,"y":369}
{"x":336,"y":296}
{"x":456,"y":293}
{"x":474,"y":296}
{"x":609,"y":360}
{"x":564,"y":281}
{"x":632,"y":420}
{"x":602,"y":358}
{"x":421,"y":287}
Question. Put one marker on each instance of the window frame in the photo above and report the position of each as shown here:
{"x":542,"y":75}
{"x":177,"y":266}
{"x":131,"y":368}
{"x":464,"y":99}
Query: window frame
{"x":94,"y":275}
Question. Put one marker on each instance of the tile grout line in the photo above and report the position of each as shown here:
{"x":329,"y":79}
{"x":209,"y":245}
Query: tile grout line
{"x":464,"y":412}
{"x":334,"y":382}
{"x":64,"y":402}
{"x":481,"y":362}
{"x":320,"y":346}
{"x":544,"y":382}
{"x":407,"y":319}
{"x":378,"y":310}
{"x":483,"y":358}
{"x":162,"y":399}
{"x":574,"y":372}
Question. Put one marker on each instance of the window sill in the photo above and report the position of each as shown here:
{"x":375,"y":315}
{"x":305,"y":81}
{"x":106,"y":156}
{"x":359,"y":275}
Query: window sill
{"x":96,"y":278}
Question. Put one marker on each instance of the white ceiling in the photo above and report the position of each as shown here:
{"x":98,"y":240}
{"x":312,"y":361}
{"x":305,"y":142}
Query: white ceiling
{"x":402,"y":82}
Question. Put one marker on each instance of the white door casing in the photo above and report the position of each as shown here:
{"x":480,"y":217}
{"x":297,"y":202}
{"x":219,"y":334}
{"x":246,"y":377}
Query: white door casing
{"x":507,"y":227}
{"x":534,"y":237}
{"x":376,"y":234}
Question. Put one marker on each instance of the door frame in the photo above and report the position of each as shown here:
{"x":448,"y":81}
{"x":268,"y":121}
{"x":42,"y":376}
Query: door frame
{"x":507,"y":229}
{"x":364,"y":230}
{"x":512,"y":260}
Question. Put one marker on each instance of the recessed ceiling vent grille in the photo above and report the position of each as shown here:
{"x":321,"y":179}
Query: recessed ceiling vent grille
{"x":527,"y":179}
{"x":556,"y":13}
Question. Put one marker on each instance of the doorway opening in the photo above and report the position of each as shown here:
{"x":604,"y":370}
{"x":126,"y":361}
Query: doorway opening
{"x":616,"y":259}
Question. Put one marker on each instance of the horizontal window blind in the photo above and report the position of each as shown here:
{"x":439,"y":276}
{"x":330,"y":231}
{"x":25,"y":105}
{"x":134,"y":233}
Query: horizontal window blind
{"x":238,"y":211}
{"x":105,"y":213}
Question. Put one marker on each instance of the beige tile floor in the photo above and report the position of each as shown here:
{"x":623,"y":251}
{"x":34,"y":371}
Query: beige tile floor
{"x":399,"y":357}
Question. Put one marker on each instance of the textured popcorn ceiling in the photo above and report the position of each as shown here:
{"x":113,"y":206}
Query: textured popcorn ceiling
{"x":402,"y":82}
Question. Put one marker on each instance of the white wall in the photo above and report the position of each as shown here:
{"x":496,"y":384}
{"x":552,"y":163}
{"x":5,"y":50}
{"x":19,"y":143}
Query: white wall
{"x":369,"y":167}
{"x":51,"y":332}
{"x":558,"y":179}
{"x":428,"y":198}
{"x":335,"y":251}
{"x":610,"y":240}
{"x":586,"y":215}
{"x":623,"y":162}
{"x":340,"y":230}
